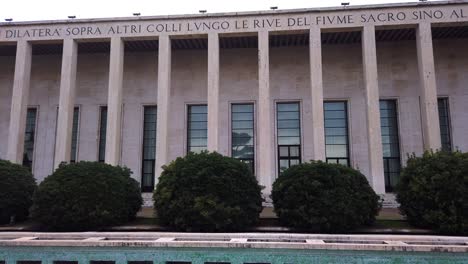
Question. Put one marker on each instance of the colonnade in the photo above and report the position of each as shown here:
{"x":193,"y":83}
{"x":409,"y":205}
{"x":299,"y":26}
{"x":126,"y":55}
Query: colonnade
{"x":266,"y":144}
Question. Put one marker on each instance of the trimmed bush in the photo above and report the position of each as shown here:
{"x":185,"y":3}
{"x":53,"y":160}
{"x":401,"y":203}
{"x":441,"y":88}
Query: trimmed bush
{"x":207,"y":192}
{"x":17,"y":186}
{"x":321,"y":197}
{"x":433,"y":192}
{"x":86,"y":195}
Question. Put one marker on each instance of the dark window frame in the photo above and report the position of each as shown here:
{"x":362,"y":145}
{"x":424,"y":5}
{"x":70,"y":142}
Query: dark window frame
{"x":289,"y":146}
{"x":77,"y":138}
{"x":189,"y":129}
{"x":102,"y":140}
{"x":249,"y":161}
{"x":388,"y":159}
{"x":144,"y":160}
{"x":337,"y":160}
{"x":449,"y":139}
{"x":27,"y":163}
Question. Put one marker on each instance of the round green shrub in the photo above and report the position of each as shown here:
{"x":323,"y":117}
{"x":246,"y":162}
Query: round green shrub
{"x":433,"y":192}
{"x":207,"y":192}
{"x":86,"y":195}
{"x":17,"y":186}
{"x":321,"y":197}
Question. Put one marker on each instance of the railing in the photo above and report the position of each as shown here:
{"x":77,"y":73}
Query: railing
{"x":158,"y":248}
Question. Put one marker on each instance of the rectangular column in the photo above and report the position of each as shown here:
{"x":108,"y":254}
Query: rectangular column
{"x":164,"y":97}
{"x":374,"y":135}
{"x":114,"y":102}
{"x":316,"y":84}
{"x":428,"y":98}
{"x":266,"y":142}
{"x":213,"y":92}
{"x":19,"y":102}
{"x":66,"y":102}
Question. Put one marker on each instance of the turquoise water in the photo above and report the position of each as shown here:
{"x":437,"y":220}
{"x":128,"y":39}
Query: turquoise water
{"x":126,"y":255}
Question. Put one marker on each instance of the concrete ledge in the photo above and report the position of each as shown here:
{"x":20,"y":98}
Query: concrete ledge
{"x":238,"y":240}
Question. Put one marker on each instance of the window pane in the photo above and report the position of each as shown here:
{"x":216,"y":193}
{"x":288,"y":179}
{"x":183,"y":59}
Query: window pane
{"x":444,"y":120}
{"x":289,"y":123}
{"x":294,"y":151}
{"x":288,"y":107}
{"x":294,"y":162}
{"x":242,"y":124}
{"x":288,"y":134}
{"x":242,"y":108}
{"x":336,"y":140}
{"x":102,"y":134}
{"x":284,"y":151}
{"x":244,"y":116}
{"x":390,"y":143}
{"x":149,"y":148}
{"x":198,"y":109}
{"x":197,"y":130}
{"x":336,"y":151}
{"x":337,"y":106}
{"x":74,"y":146}
{"x":242,"y":133}
{"x":343,"y":162}
{"x":243,"y":152}
{"x":283,"y":164}
{"x":336,"y":132}
{"x":30,"y":134}
{"x":289,"y":140}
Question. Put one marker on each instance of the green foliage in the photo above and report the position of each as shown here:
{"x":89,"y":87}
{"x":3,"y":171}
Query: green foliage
{"x":17,"y":186}
{"x":323,"y":197}
{"x":86,"y":195}
{"x":433,"y":192}
{"x":207,"y":192}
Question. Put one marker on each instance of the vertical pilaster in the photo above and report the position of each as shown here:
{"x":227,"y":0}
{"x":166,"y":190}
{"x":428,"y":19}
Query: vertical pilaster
{"x":19,"y":102}
{"x":316,"y":84}
{"x":66,"y":102}
{"x":266,"y":142}
{"x":164,"y":96}
{"x":213,"y":92}
{"x":114,"y":102}
{"x":428,"y":99}
{"x":374,"y":136}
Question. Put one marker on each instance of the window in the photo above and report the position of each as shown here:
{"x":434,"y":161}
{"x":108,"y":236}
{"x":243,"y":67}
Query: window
{"x":336,"y":132}
{"x":29,"y":136}
{"x":197,"y":132}
{"x":289,"y":135}
{"x":102,"y":133}
{"x":74,"y":143}
{"x":242,"y":133}
{"x":390,"y":143}
{"x":444,"y":120}
{"x":149,"y":148}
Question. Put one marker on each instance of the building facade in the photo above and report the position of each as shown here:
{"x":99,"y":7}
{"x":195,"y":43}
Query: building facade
{"x":362,"y":86}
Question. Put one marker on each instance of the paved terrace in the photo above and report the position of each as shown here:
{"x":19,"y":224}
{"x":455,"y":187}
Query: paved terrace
{"x":238,"y":240}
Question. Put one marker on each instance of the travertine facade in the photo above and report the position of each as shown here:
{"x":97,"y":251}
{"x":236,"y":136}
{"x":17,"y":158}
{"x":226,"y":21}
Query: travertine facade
{"x":360,"y":64}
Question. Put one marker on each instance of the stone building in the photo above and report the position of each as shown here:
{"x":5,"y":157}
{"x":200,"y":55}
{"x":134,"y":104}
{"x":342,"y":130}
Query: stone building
{"x":363,"y":86}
